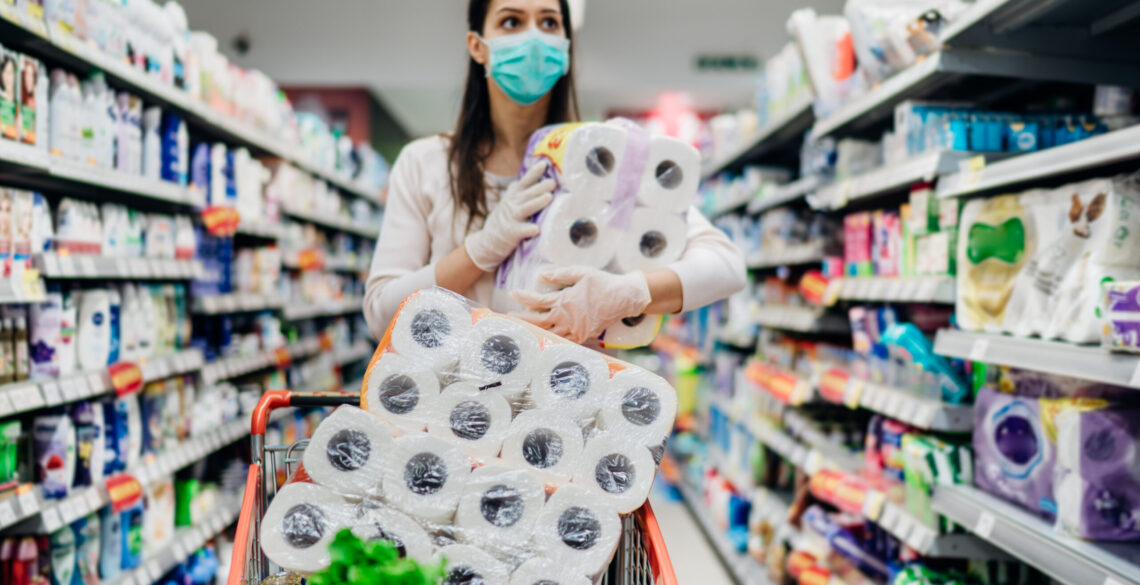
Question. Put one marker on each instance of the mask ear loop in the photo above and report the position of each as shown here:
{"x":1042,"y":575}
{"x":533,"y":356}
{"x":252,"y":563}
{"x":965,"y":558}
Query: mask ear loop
{"x":487,"y":65}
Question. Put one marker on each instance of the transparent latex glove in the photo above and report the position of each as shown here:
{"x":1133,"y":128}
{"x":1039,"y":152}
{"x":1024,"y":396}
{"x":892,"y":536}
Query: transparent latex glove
{"x":590,"y":301}
{"x":508,"y":224}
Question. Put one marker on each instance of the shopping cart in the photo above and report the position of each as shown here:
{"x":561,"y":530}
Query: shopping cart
{"x":641,"y":558}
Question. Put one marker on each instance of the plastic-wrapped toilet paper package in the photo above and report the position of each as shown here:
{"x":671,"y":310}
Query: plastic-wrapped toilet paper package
{"x":544,"y":571}
{"x":1120,"y":315}
{"x":621,"y":473}
{"x":347,"y":450}
{"x":432,"y":325}
{"x":299,"y":525}
{"x":424,"y":476}
{"x":619,"y":204}
{"x":383,"y":523}
{"x":500,"y":354}
{"x":639,"y":407}
{"x":477,"y":422}
{"x":468,"y":565}
{"x":1014,"y":458}
{"x":571,"y":380}
{"x":630,"y":331}
{"x":1096,"y":510}
{"x":546,"y":443}
{"x":498,"y":509}
{"x":579,"y":530}
{"x":402,"y":391}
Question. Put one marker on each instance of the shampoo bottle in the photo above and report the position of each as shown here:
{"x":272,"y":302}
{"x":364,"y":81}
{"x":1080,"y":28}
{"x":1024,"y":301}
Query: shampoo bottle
{"x":111,"y":537}
{"x":94,"y":330}
{"x":115,"y":309}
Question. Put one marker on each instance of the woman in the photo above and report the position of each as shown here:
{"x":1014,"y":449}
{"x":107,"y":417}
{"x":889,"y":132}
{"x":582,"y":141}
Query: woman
{"x":453,"y":214}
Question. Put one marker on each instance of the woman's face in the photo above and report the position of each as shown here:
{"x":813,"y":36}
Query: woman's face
{"x":508,"y":17}
{"x":8,"y":77}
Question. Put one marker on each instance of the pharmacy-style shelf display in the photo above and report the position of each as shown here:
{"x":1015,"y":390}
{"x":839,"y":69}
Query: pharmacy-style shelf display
{"x":890,"y":178}
{"x":236,"y":303}
{"x":86,"y":266}
{"x":790,"y":256}
{"x":800,"y":319}
{"x":1034,"y":541}
{"x":932,"y":289}
{"x":743,"y":569}
{"x":786,"y":194}
{"x":332,"y":222}
{"x":330,"y":309}
{"x":777,"y":134}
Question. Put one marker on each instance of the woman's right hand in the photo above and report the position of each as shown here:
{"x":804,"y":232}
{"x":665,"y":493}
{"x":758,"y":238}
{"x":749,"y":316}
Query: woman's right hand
{"x":509,"y":223}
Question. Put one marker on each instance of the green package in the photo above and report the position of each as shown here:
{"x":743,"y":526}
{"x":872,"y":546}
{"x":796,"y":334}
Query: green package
{"x":9,"y":450}
{"x":185,"y":492}
{"x":928,"y":462}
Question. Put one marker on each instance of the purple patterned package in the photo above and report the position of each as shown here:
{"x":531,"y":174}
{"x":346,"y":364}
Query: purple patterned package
{"x":1120,"y":315}
{"x":1098,"y":469}
{"x":1014,"y":458}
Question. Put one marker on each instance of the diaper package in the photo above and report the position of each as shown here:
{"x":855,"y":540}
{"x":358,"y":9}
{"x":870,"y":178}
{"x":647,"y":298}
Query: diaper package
{"x":1032,"y":264}
{"x":1120,"y":315}
{"x":620,"y":205}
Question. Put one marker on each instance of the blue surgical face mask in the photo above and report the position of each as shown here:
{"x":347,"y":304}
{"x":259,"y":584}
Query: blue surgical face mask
{"x":527,"y":65}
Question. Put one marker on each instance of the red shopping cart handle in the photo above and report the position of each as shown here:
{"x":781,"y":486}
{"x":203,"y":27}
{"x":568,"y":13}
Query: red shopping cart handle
{"x":274,"y":399}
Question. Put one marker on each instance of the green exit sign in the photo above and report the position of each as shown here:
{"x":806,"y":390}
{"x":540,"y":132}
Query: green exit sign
{"x":727,"y":63}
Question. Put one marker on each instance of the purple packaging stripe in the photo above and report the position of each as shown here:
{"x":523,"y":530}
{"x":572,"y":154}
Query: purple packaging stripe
{"x":629,"y":174}
{"x":1124,"y":300}
{"x":1125,"y":333}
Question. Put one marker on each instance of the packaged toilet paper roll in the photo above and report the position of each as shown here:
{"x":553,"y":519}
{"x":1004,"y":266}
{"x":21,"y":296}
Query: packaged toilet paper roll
{"x":572,"y":381}
{"x":500,"y":353}
{"x":544,"y":571}
{"x":476,"y":422}
{"x":1095,"y":509}
{"x":618,"y":471}
{"x":402,"y":391}
{"x":424,"y":476}
{"x":593,"y":155}
{"x":639,"y":407}
{"x":384,"y":523}
{"x":578,"y":530}
{"x":632,"y":332}
{"x":671,"y":175}
{"x":432,"y":327}
{"x":655,"y":238}
{"x":574,"y":231}
{"x":498,"y":509}
{"x":467,"y":565}
{"x":545,"y":442}
{"x":347,"y":451}
{"x":299,"y":525}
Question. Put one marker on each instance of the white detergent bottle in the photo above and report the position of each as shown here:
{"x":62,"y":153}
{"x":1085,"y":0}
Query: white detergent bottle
{"x":94,"y":330}
{"x":58,"y":111}
{"x":146,"y":322}
{"x":128,"y":325}
{"x":152,"y":143}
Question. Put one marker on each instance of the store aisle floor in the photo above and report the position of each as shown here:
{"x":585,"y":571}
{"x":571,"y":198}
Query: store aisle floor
{"x":693,"y":557}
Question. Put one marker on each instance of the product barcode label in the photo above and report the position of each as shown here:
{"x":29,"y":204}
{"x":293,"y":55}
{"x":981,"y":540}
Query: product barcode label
{"x":979,"y":349}
{"x":985,"y":526}
{"x":51,"y":393}
{"x":51,"y":519}
{"x":29,"y":503}
{"x":5,"y":404}
{"x":93,"y":500}
{"x":7,"y":514}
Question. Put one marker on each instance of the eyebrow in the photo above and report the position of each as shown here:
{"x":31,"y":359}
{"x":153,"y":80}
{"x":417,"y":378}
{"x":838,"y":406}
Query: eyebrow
{"x":509,"y":9}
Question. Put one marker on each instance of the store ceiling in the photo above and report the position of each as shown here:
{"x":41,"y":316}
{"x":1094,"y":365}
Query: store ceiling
{"x":411,"y":52}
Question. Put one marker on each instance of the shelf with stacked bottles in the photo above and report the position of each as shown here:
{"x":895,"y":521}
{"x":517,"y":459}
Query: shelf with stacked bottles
{"x":778,"y":133}
{"x":743,"y":569}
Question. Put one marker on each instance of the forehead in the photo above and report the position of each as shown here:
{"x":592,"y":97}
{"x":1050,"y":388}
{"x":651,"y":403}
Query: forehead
{"x":523,"y":5}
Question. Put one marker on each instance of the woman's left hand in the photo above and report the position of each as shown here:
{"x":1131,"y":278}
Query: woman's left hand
{"x":590,"y":301}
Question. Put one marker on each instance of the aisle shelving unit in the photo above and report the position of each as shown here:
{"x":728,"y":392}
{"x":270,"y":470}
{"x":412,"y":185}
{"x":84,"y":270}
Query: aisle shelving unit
{"x":773,"y":136}
{"x":332,"y":222}
{"x":890,"y":178}
{"x":800,"y":319}
{"x":331,"y":309}
{"x":1052,"y":357}
{"x":185,"y":541}
{"x":1035,"y":541}
{"x":743,"y":569}
{"x":236,"y":303}
{"x":84,"y":266}
{"x":810,"y":253}
{"x":919,"y":289}
{"x":785,"y":194}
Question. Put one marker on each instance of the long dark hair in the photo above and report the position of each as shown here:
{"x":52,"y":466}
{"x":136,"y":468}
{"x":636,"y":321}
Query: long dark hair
{"x":474,"y":138}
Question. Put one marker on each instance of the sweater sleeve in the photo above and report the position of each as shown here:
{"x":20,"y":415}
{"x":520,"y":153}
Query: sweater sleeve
{"x":711,"y":268}
{"x":400,"y":262}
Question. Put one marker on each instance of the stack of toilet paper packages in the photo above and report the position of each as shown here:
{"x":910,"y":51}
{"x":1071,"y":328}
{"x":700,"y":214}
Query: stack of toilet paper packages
{"x":1063,"y":450}
{"x":1033,"y":264}
{"x":483,"y":440}
{"x":620,"y":204}
{"x":1120,"y":315}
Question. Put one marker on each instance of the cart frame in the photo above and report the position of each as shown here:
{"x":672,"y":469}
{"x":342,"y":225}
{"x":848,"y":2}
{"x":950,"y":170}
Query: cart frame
{"x":641,"y":557}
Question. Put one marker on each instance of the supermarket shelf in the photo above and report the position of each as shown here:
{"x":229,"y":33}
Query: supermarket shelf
{"x":1052,"y":357}
{"x":774,"y":135}
{"x":731,"y":205}
{"x":809,"y":433}
{"x":45,"y":516}
{"x":332,"y":309}
{"x":331,"y":222}
{"x":185,"y":542}
{"x":1034,"y":540}
{"x":890,"y":178}
{"x":338,"y":264}
{"x":232,"y":367}
{"x":932,"y":289}
{"x":25,"y":156}
{"x":267,"y":231}
{"x":304,"y":348}
{"x":789,"y":256}
{"x":800,"y":319}
{"x":926,"y":541}
{"x":922,"y":413}
{"x":236,"y":303}
{"x":84,"y":266}
{"x":786,"y":387}
{"x":357,"y":352}
{"x":743,"y":569}
{"x":28,"y":396}
{"x":1057,"y":162}
{"x":958,"y":68}
{"x":34,"y":38}
{"x":785,"y":194}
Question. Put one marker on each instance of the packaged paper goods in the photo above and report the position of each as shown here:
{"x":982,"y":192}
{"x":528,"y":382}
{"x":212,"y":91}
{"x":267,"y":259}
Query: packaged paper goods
{"x":620,"y":204}
{"x":482,"y":440}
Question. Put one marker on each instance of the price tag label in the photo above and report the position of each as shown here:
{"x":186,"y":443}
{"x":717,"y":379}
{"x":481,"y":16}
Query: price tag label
{"x":50,"y":264}
{"x":141,"y":579}
{"x":7,"y":514}
{"x":67,"y":510}
{"x":94,"y":501}
{"x":95,"y":384}
{"x":51,"y":519}
{"x":813,"y":462}
{"x":979,"y":350}
{"x":51,"y":393}
{"x":873,"y":505}
{"x":890,"y":517}
{"x":904,"y":527}
{"x":29,"y":397}
{"x":6,"y":407}
{"x":985,"y":526}
{"x":29,"y":502}
{"x":69,"y":389}
{"x":87,"y":267}
{"x":123,"y":268}
{"x":67,"y":265}
{"x":154,"y":570}
{"x":924,"y":416}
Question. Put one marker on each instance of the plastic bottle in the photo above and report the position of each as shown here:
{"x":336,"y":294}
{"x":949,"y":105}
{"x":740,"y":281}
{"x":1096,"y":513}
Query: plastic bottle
{"x":94,"y":330}
{"x":67,"y":319}
{"x":59,"y":110}
{"x":7,"y":353}
{"x":175,"y":150}
{"x":115,"y":310}
{"x":152,"y":143}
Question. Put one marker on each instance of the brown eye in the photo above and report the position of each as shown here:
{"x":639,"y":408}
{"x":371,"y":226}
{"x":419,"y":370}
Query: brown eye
{"x":550,"y":23}
{"x":509,"y":23}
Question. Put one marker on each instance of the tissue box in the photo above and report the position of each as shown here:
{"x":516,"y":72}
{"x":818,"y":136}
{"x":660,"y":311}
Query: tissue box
{"x":1120,"y":315}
